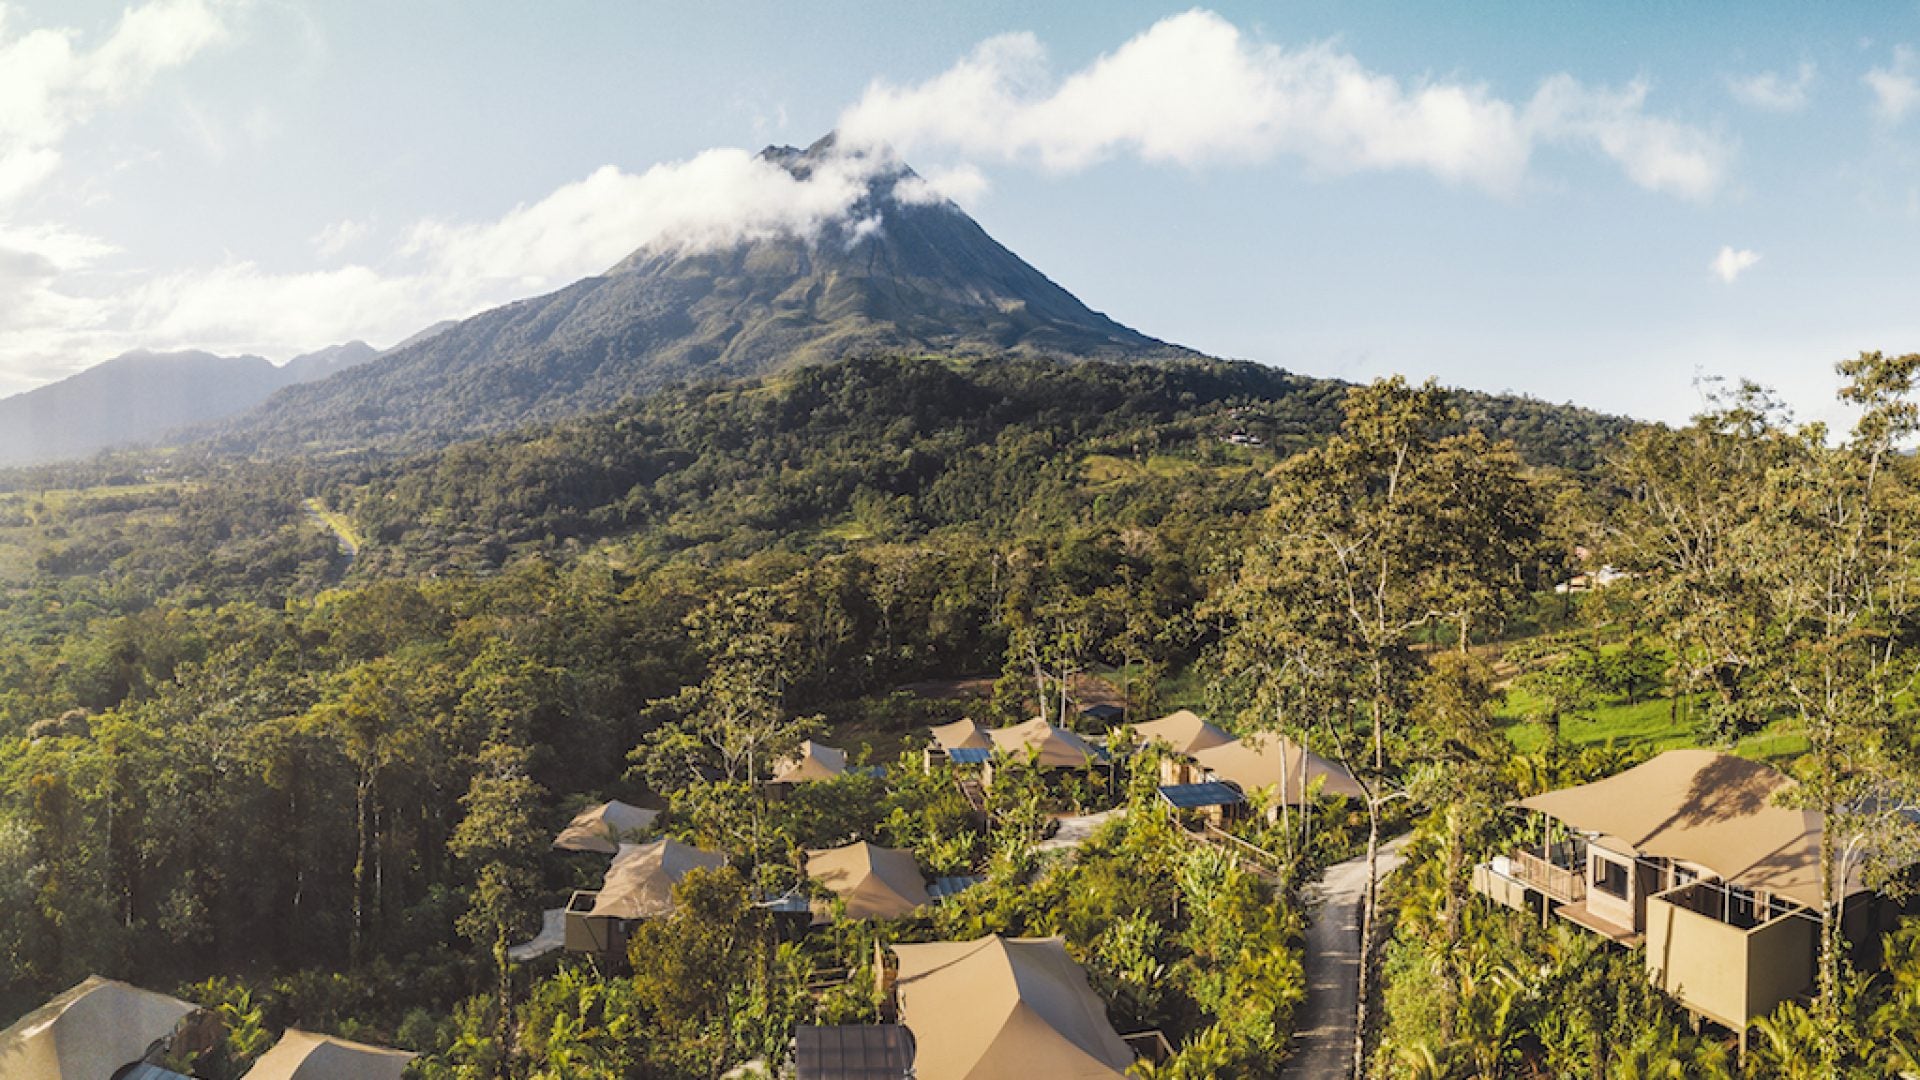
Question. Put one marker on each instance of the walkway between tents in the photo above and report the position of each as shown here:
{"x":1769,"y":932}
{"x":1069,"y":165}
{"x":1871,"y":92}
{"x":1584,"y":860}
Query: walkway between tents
{"x":1323,"y":1037}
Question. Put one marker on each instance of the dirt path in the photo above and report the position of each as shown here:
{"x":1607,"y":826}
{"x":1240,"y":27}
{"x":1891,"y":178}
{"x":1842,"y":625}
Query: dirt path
{"x":337,"y":524}
{"x":1323,"y":1039}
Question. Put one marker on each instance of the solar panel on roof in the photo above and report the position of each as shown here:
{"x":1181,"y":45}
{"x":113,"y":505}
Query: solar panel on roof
{"x":1194,"y":796}
{"x":870,"y":1052}
{"x":151,"y":1072}
{"x":944,"y":887}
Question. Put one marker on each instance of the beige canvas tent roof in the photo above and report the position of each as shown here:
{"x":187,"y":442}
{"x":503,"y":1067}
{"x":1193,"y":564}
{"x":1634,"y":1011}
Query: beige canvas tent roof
{"x":876,"y":882}
{"x":813,"y":762}
{"x":1057,"y":747}
{"x":602,"y":828}
{"x":1268,"y":760}
{"x":1711,"y":809}
{"x":300,"y":1055}
{"x":1005,"y":1009}
{"x":962,"y":735}
{"x":90,"y":1032}
{"x":640,"y":882}
{"x":1182,"y":730}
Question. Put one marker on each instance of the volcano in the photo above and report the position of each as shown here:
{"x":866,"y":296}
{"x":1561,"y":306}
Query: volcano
{"x":902,"y":272}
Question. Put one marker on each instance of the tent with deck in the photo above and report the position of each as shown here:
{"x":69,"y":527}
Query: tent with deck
{"x":301,"y":1055}
{"x":604,"y":827}
{"x":1266,"y":761}
{"x":1054,"y":747}
{"x":813,"y":762}
{"x":90,"y":1032}
{"x":1005,"y":1009}
{"x":875,"y":882}
{"x":962,"y":735}
{"x":1182,"y":731}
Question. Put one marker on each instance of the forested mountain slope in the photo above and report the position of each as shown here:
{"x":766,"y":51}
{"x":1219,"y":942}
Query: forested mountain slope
{"x":900,"y":274}
{"x":889,"y":448}
{"x":140,"y":396}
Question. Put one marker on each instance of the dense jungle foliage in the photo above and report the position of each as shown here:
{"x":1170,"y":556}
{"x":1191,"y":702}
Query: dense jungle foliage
{"x":292,"y":736}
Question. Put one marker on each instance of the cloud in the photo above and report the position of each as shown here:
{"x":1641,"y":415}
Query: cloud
{"x":1731,"y":263}
{"x":1896,"y":88}
{"x":1192,"y":90}
{"x":438,"y":268}
{"x":1655,"y":153}
{"x":48,"y":85}
{"x":963,"y":184}
{"x":338,"y":237}
{"x":1772,"y":91}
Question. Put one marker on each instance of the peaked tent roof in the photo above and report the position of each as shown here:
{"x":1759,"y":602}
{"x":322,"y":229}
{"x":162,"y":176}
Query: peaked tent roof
{"x":1707,"y":808}
{"x":301,"y":1055}
{"x":599,"y":828}
{"x":962,"y":734}
{"x":1059,"y":748}
{"x":1267,"y":760}
{"x":640,"y":882}
{"x":813,"y":762}
{"x":876,"y":882}
{"x":1005,"y":1009}
{"x":89,"y":1032}
{"x":1183,"y":730}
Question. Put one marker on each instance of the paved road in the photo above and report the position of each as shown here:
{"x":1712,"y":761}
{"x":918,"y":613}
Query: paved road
{"x":1323,"y":1039}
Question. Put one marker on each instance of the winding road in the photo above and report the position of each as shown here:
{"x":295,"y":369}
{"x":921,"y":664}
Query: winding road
{"x":1323,"y":1040}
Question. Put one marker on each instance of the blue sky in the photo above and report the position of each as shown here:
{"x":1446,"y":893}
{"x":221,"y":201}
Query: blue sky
{"x":1508,"y":197}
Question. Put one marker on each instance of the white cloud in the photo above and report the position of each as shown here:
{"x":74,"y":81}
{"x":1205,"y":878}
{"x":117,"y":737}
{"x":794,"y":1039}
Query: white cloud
{"x":338,"y":237}
{"x":48,"y":84}
{"x":1193,"y":90}
{"x":439,"y":269}
{"x":1655,"y":153}
{"x":963,"y":184}
{"x":1896,"y":88}
{"x":1773,"y":91}
{"x":1731,"y":263}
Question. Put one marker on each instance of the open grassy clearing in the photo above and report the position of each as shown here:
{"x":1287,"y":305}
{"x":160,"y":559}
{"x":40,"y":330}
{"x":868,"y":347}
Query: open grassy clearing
{"x":1650,"y":726}
{"x":339,"y":524}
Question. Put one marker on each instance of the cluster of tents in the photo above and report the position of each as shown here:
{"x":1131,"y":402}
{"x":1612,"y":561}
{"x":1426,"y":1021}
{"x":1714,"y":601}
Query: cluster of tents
{"x":984,"y":1009}
{"x":104,"y":1029}
{"x":1199,"y":753}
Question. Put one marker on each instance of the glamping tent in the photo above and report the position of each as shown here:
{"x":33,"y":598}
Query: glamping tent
{"x":1692,"y":853}
{"x":813,"y":762}
{"x":90,"y":1032}
{"x":1005,"y":1009}
{"x":1182,"y":731}
{"x":1266,"y":761}
{"x":1704,"y":808}
{"x":875,"y":882}
{"x":602,"y":828}
{"x":300,"y":1055}
{"x":1057,"y":747}
{"x":639,"y":885}
{"x":962,"y":735}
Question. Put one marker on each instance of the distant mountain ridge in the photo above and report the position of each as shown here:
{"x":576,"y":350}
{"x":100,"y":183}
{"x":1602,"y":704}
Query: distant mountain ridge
{"x":927,"y":279}
{"x":140,"y":396}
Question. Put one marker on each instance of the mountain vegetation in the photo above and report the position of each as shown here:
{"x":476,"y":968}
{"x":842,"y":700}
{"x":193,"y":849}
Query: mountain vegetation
{"x":901,"y":273}
{"x":138,"y":397}
{"x":288,"y":718}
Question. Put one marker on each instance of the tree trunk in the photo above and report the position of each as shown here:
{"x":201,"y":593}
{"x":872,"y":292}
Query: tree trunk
{"x":1367,"y":903}
{"x":363,"y":816}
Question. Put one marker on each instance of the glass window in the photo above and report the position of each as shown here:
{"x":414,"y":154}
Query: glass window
{"x":1610,"y":877}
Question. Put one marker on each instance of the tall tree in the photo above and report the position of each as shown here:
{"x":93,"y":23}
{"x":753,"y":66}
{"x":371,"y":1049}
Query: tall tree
{"x":499,"y":842}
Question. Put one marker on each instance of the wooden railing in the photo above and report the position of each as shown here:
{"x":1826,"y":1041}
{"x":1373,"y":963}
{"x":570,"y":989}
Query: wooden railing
{"x":1565,"y":883}
{"x":1261,"y":862}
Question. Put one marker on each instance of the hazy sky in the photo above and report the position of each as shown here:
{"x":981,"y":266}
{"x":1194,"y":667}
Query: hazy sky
{"x":1582,"y":202}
